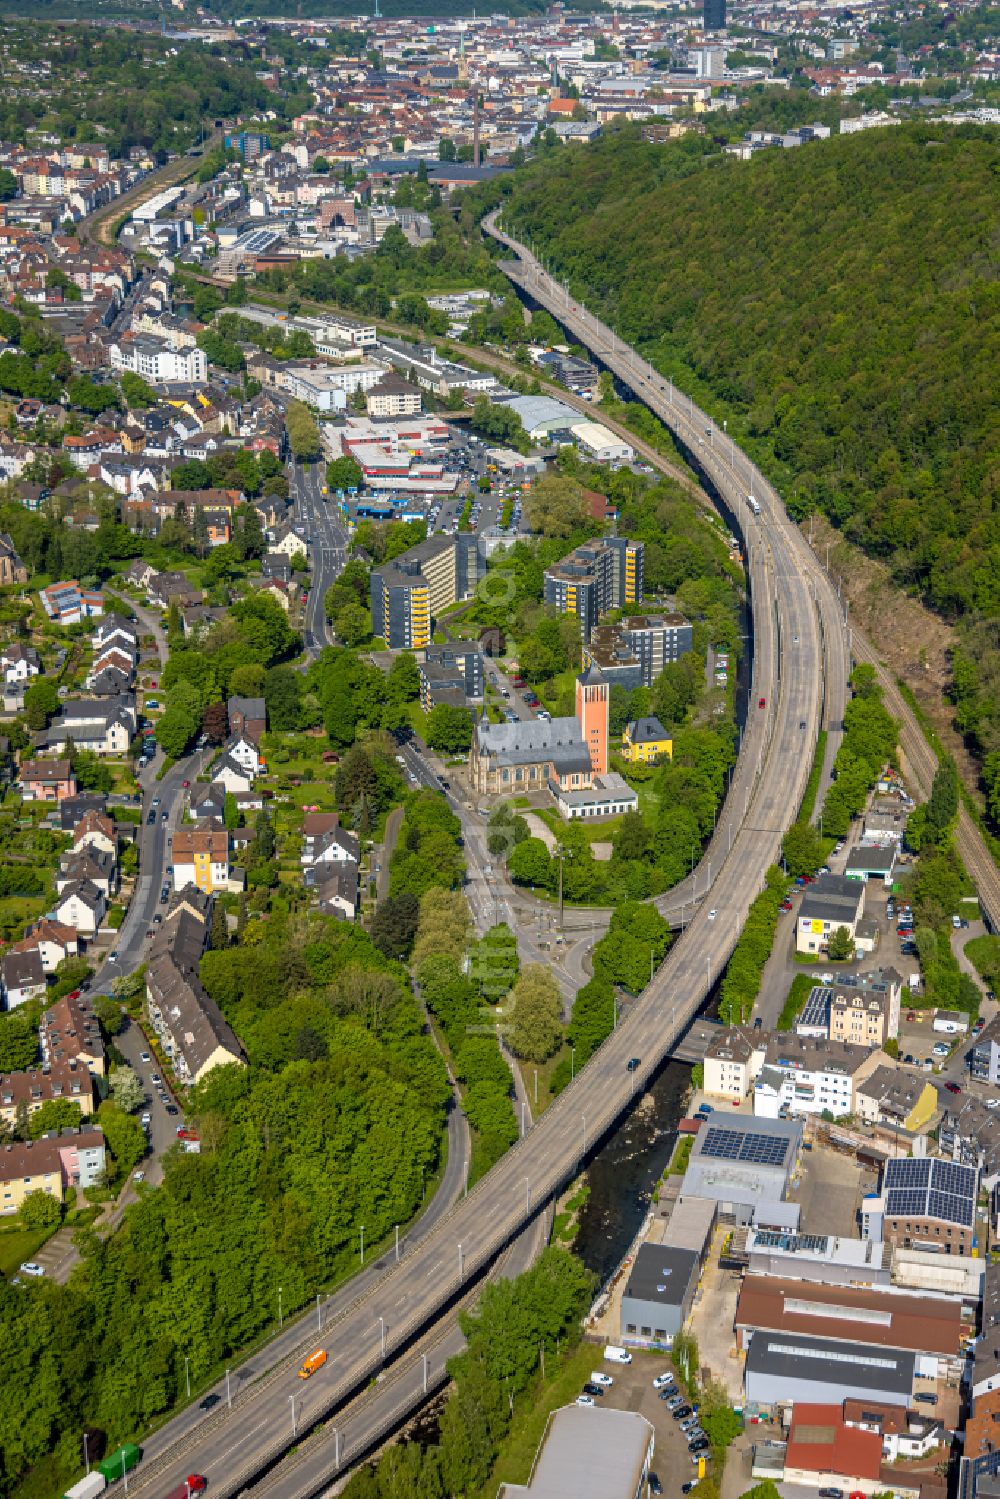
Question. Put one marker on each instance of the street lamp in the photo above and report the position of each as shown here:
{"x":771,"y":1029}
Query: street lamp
{"x":291,"y":1401}
{"x":362,"y":1243}
{"x":527,"y":1196}
{"x":187,"y":1375}
{"x":572,"y":1063}
{"x":280,"y":1320}
{"x":381,"y":1323}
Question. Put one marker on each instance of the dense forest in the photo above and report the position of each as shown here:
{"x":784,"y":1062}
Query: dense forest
{"x":839,"y":305}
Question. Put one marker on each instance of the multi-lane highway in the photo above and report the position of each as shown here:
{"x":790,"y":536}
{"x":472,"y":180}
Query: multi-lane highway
{"x":328,"y":542}
{"x":232,"y":1445}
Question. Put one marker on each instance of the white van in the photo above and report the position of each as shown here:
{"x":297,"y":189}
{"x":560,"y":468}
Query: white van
{"x":615,"y":1355}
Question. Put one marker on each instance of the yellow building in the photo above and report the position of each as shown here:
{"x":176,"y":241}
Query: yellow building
{"x":645,"y":741}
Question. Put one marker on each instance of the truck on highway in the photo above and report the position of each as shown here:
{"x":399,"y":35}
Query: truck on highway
{"x":88,"y":1488}
{"x":754,"y":504}
{"x":118,"y":1463}
{"x":313,"y":1362}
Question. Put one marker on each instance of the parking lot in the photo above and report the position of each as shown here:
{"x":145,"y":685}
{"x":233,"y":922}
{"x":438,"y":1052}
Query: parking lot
{"x":632,"y":1390}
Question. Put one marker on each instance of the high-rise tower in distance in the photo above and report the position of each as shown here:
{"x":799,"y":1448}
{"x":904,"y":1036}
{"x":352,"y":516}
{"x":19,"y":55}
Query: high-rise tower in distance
{"x":715,"y":15}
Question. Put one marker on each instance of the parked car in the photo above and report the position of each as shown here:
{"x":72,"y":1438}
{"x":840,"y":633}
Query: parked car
{"x":680,"y":1411}
{"x":922,"y":1399}
{"x":605,"y":1380}
{"x":831,"y":1494}
{"x":662,"y":1380}
{"x":952,"y":1088}
{"x":585,"y":1400}
{"x":31,"y":1268}
{"x":655,"y":1486}
{"x":592,"y":1389}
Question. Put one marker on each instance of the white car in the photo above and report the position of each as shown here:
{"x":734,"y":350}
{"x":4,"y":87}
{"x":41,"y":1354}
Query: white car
{"x":30,"y":1268}
{"x":144,"y":1056}
{"x":146,"y":1119}
{"x":993,"y":1103}
{"x":140,"y":1176}
{"x":580,"y":1399}
{"x":604,"y":1380}
{"x":662,"y":1380}
{"x":713,"y":913}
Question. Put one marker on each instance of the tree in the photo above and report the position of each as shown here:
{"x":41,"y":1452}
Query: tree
{"x":529,"y":864}
{"x":40,"y":1210}
{"x":344,"y":473}
{"x":219,"y":934}
{"x":534,"y":1015}
{"x":247,"y":681}
{"x":283,"y":696}
{"x":41,"y":703}
{"x":215,"y":722}
{"x":449,"y":728}
{"x":803,"y":849}
{"x":175,"y":731}
{"x":352,"y":624}
{"x":557,"y":506}
{"x":394,"y":925}
{"x":303,"y":433}
{"x":126,"y":1139}
{"x":54,"y":1114}
{"x":8,"y":185}
{"x":840,"y":947}
{"x":127,"y":1089}
{"x":230,"y":812}
{"x":110,"y":1015}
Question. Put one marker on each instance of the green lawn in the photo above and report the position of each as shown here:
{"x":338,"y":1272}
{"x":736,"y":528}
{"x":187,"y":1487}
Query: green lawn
{"x":19,"y":1244}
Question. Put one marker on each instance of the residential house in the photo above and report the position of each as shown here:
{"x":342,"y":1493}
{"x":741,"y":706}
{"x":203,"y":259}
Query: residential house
{"x":19,"y":662}
{"x":894,"y":1097}
{"x":194,"y":1034}
{"x":336,"y":888}
{"x":69,"y":1158}
{"x":247,"y":718}
{"x":104,"y":725}
{"x":23,"y":978}
{"x":864,"y":1008}
{"x":984,"y":1054}
{"x":287,"y":540}
{"x":96,"y":830}
{"x":324,"y":841}
{"x":172,"y":588}
{"x":82,"y":905}
{"x":88,"y":864}
{"x":28,"y":1090}
{"x":645,"y":741}
{"x":46,"y":780}
{"x":228,"y":772}
{"x":69,"y":1031}
{"x":830,"y":902}
{"x":201,"y":857}
{"x":969,"y":1132}
{"x":733,"y":1059}
{"x":806,"y":1075}
{"x":74,"y":808}
{"x":53,"y":940}
{"x":67,"y":603}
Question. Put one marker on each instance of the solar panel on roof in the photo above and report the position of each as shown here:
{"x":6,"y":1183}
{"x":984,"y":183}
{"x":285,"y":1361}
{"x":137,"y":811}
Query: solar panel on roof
{"x":744,"y":1145}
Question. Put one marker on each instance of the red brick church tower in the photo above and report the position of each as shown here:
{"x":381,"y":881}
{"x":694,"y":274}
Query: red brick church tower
{"x":592,"y":709}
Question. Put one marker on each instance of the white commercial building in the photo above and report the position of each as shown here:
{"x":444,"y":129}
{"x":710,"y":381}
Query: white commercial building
{"x":602,"y":444}
{"x":156,"y":361}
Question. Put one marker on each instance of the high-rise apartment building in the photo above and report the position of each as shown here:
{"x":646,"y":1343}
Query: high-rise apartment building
{"x":409,"y":593}
{"x":600,"y":575}
{"x":715,"y":15}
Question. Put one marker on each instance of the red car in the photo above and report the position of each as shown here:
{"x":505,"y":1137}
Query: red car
{"x":953,"y":1088}
{"x":762,"y":703}
{"x":185,"y":784}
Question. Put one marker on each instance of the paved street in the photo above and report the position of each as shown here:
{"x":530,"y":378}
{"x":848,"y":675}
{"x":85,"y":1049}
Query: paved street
{"x":328,"y":542}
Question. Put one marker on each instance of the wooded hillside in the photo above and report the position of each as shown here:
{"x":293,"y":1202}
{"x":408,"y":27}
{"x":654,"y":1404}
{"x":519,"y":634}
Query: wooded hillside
{"x":839,"y":304}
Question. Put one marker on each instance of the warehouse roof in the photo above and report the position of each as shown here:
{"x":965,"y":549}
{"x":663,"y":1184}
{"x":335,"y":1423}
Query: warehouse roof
{"x":851,"y":1314}
{"x":790,"y":1357}
{"x":589,"y":1454}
